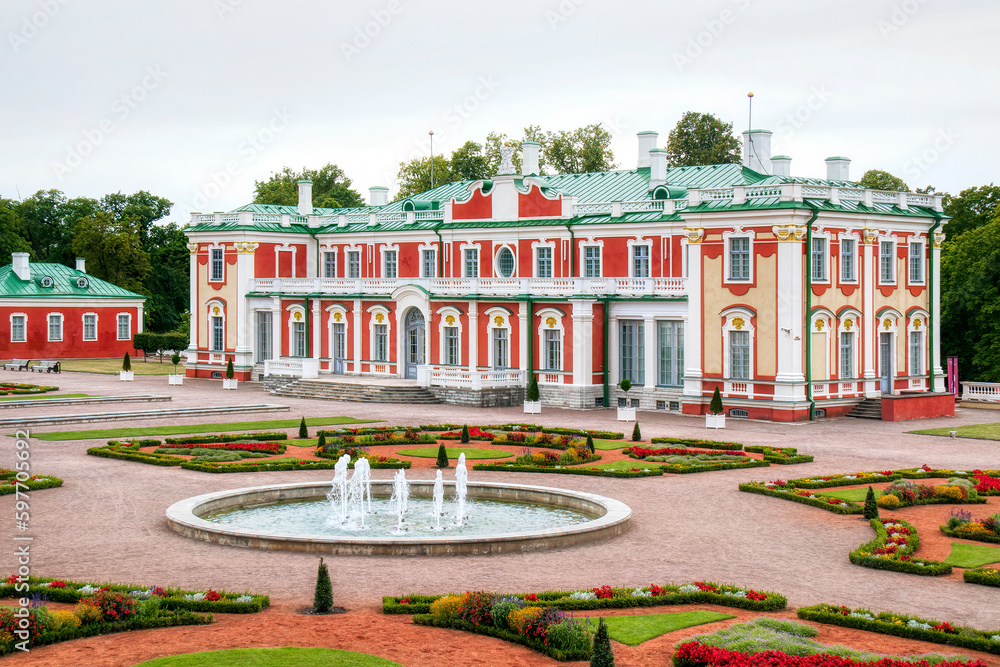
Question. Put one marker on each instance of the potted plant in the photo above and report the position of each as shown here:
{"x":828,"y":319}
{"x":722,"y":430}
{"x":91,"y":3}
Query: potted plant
{"x":626,"y":414}
{"x":126,"y":374}
{"x":229,"y":382}
{"x":175,"y":378}
{"x":532,"y":402}
{"x":716,"y":417}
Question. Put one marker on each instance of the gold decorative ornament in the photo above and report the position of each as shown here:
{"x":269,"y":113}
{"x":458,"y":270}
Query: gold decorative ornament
{"x":938,"y":239}
{"x":215,"y":310}
{"x":192,"y":248}
{"x":738,"y":322}
{"x":297,"y":316}
{"x":498,"y":320}
{"x":819,"y":325}
{"x":449,"y":319}
{"x":916,"y":323}
{"x":246,"y":247}
{"x":887,"y":322}
{"x":380,"y":318}
{"x":848,"y":323}
{"x":337,"y":317}
{"x":870,"y":235}
{"x":782,"y":232}
{"x":694,"y":234}
{"x":550,"y":322}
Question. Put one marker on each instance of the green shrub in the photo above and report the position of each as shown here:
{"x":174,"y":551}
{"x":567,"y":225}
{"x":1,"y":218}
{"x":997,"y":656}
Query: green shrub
{"x":321,"y":442}
{"x":871,"y":507}
{"x":715,"y":406}
{"x":602,"y":655}
{"x":446,"y":608}
{"x":323,"y":595}
{"x":569,"y":635}
{"x":503,"y":608}
{"x":126,"y":363}
{"x":636,"y":433}
{"x":590,"y":443}
{"x":442,"y":457}
{"x":229,"y":369}
{"x":533,"y":388}
{"x":215,"y":456}
{"x":465,"y":435}
{"x":303,"y":429}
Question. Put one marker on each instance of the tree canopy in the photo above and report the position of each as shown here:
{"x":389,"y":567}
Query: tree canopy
{"x":702,"y":138}
{"x":331,"y":188}
{"x":971,"y":209}
{"x":876,"y":179}
{"x":113,"y":250}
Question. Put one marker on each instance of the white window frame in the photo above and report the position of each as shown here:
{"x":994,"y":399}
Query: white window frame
{"x":556,"y":325}
{"x":854,"y":240}
{"x":375,"y":332}
{"x":536,"y":260}
{"x":640,"y":242}
{"x":352,"y":252}
{"x":443,"y":325}
{"x":212,"y":250}
{"x":727,"y":238}
{"x":824,"y":257}
{"x":917,"y":325}
{"x":639,"y":365}
{"x":916,"y":360}
{"x":425,"y":250}
{"x":598,"y":246}
{"x":738,"y":320}
{"x":286,"y":247}
{"x":849,"y":321}
{"x":292,"y":310}
{"x":492,"y":314}
{"x":83,"y":324}
{"x":58,"y":319}
{"x":915,"y":249}
{"x":887,"y":241}
{"x":848,"y":364}
{"x":328,"y":255}
{"x":24,"y":327}
{"x":214,"y":308}
{"x":390,"y":252}
{"x":496,"y":260}
{"x":332,"y":312}
{"x":118,"y":325}
{"x":677,"y":354}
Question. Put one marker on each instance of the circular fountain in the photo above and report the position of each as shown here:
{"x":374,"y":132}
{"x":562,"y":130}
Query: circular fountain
{"x":363,"y":516}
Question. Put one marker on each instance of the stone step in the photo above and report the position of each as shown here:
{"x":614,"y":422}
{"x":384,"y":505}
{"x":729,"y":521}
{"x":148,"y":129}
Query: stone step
{"x":356,"y":392}
{"x":171,"y":413}
{"x":869,"y":408}
{"x":35,"y":402}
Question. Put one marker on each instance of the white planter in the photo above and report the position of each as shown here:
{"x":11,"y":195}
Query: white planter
{"x":626,"y":414}
{"x":532,"y":407}
{"x":126,"y":376}
{"x":175,"y":379}
{"x":229,"y":384}
{"x":715,"y":421}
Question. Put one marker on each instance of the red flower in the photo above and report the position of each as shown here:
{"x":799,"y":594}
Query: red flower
{"x":531,"y":597}
{"x":212,"y":596}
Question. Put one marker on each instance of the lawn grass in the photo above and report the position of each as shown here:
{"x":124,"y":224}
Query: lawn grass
{"x":113,"y":366}
{"x":605,"y":445}
{"x":179,"y":429}
{"x":272,"y":657}
{"x":853,"y":495}
{"x":453,"y":452}
{"x":301,"y":442}
{"x":634,"y":630}
{"x":972,"y":555}
{"x":37,"y":397}
{"x":625,"y":465}
{"x":978,"y":431}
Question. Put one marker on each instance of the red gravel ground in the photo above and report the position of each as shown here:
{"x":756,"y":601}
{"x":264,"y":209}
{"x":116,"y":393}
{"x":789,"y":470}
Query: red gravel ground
{"x":107,"y":524}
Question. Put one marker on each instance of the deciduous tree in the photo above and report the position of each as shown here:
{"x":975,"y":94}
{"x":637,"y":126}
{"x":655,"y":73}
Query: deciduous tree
{"x":113,"y":250}
{"x":331,"y":188}
{"x":702,"y":138}
{"x":876,"y":179}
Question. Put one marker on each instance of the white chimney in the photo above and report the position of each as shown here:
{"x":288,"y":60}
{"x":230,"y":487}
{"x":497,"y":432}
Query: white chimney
{"x":81,"y":265}
{"x":657,"y":167}
{"x":378,"y":195}
{"x":529,"y":158}
{"x":838,"y":168}
{"x":305,"y":197}
{"x":757,"y":150}
{"x":647,"y":142}
{"x":781,"y":165}
{"x":21,"y":266}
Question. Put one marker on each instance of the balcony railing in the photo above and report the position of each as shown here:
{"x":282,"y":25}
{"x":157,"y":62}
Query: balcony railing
{"x":554,"y":287}
{"x":981,"y":391}
{"x":437,"y":376}
{"x":293,"y":366}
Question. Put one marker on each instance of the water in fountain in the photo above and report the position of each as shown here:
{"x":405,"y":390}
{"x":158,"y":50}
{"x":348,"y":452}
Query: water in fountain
{"x":438,"y":500}
{"x":338,"y":493}
{"x":355,"y":496}
{"x":400,"y":494}
{"x":461,"y":487}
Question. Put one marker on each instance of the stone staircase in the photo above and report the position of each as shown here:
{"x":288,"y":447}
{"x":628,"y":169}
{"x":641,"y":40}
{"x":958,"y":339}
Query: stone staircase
{"x":869,"y":408}
{"x":355,"y":392}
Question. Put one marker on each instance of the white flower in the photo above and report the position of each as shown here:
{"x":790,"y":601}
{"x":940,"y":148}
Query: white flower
{"x":995,"y":638}
{"x":689,"y":588}
{"x":858,"y":614}
{"x":88,"y":589}
{"x":582,"y":595}
{"x":195,"y":597}
{"x":917,"y":624}
{"x":245,"y":598}
{"x":639,"y":593}
{"x":737,"y":594}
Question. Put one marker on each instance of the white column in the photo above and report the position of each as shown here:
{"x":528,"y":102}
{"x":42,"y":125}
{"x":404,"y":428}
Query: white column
{"x":613,"y":351}
{"x":277,"y":323}
{"x":357,"y":336}
{"x":692,"y":325}
{"x":139,"y":323}
{"x":317,"y":337}
{"x":524,"y":324}
{"x":790,"y":290}
{"x":868,"y":333}
{"x":936,"y":300}
{"x":651,"y":370}
{"x":473,"y":337}
{"x":194,"y":314}
{"x":238,"y":311}
{"x":583,"y":343}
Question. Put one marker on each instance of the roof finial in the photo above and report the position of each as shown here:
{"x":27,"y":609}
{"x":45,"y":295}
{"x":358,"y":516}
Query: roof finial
{"x":506,"y":163}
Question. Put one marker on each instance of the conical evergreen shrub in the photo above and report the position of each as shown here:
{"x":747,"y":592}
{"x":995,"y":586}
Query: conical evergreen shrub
{"x":533,"y":389}
{"x":229,"y":370}
{"x":323,"y":597}
{"x":465,"y":435}
{"x":636,"y":433}
{"x":126,"y":363}
{"x":590,"y":443}
{"x":303,"y":429}
{"x":442,"y":461}
{"x":602,"y":655}
{"x":871,"y":506}
{"x":715,"y":407}
{"x":321,"y":443}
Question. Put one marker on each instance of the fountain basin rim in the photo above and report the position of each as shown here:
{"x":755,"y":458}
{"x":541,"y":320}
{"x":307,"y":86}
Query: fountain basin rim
{"x":184,"y":517}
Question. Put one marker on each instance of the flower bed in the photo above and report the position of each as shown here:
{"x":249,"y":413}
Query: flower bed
{"x":532,"y":428}
{"x":637,"y":452}
{"x":18,"y":389}
{"x":405,"y":437}
{"x":694,"y":654}
{"x":293,"y":464}
{"x":985,"y":576}
{"x":475,"y":433}
{"x":607,"y":597}
{"x":892,"y":549}
{"x":785,"y":491}
{"x":987,"y":484}
{"x":961,"y":525}
{"x":780,"y":455}
{"x":546,"y":440}
{"x":65,"y":590}
{"x":265,"y":447}
{"x":225,"y":437}
{"x":594,"y":472}
{"x":683,"y":461}
{"x":9,"y":482}
{"x":703,"y":444}
{"x":901,"y":625}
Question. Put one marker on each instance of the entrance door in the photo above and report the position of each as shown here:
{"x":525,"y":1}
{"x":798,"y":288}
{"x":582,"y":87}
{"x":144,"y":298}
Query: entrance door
{"x":885,"y":361}
{"x":414,"y":342}
{"x":339,"y":348}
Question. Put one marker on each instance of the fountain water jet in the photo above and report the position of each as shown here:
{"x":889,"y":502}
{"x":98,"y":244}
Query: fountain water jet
{"x":438,"y":496}
{"x":400,"y":494}
{"x":461,"y":489}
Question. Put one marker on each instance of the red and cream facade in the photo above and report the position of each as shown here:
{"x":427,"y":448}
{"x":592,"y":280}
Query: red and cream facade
{"x":681,"y":280}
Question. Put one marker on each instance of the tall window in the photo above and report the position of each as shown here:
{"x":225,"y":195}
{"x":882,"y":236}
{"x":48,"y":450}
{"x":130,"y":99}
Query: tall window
{"x":505,"y":263}
{"x":90,"y":326}
{"x":471,"y":263}
{"x":848,"y":273}
{"x":739,"y":258}
{"x":218,"y":333}
{"x":739,"y":355}
{"x":390,"y":267}
{"x":17,"y":329}
{"x":847,"y":355}
{"x":428,"y":263}
{"x":818,"y":259}
{"x":632,"y":351}
{"x":298,"y":339}
{"x":916,"y":262}
{"x":543,"y":262}
{"x":55,"y":327}
{"x":501,"y":349}
{"x":217,"y":265}
{"x":670,"y":340}
{"x":124,"y":327}
{"x":264,"y":322}
{"x":339,"y":341}
{"x":353,"y":264}
{"x":591,"y":261}
{"x":380,"y":343}
{"x":329,"y":265}
{"x":640,"y":261}
{"x":916,"y":353}
{"x":553,"y":350}
{"x":451,"y":349}
{"x":886,"y":263}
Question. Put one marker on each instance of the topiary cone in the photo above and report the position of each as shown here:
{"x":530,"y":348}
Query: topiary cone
{"x":126,"y":363}
{"x":323,"y":596}
{"x":442,"y":460}
{"x":871,"y":506}
{"x":715,"y":407}
{"x":602,"y":655}
{"x":303,"y":429}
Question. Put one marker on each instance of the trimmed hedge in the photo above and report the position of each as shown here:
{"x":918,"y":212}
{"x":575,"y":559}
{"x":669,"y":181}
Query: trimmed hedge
{"x":21,"y":389}
{"x":704,"y":444}
{"x":506,"y":635}
{"x":930,"y":568}
{"x":789,"y":494}
{"x":984,"y":576}
{"x":681,"y":469}
{"x":780,"y":455}
{"x":264,"y":466}
{"x":696,"y":654}
{"x":531,"y":428}
{"x":9,"y":483}
{"x":978,"y":537}
{"x":223,"y":437}
{"x":620,"y":474}
{"x":891,"y":623}
{"x":123,"y":452}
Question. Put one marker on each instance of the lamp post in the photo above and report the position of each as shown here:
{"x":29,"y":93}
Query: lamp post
{"x":431,"y":133}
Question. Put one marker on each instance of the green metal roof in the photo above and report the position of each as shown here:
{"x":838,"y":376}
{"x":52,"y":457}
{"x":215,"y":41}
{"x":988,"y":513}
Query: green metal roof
{"x":64,"y":285}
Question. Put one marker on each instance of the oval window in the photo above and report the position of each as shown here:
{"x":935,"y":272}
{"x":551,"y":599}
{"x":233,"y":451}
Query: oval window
{"x":505,"y":262}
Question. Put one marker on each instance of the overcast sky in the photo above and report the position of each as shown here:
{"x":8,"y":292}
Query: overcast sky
{"x":194,"y":100}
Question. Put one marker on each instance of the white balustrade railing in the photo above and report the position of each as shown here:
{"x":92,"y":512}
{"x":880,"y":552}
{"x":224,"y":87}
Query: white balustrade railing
{"x":981,"y":391}
{"x":464,"y":378}
{"x":556,"y":287}
{"x":296,"y":367}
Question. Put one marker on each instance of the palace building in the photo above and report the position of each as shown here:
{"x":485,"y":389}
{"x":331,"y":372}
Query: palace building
{"x":792,"y":295}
